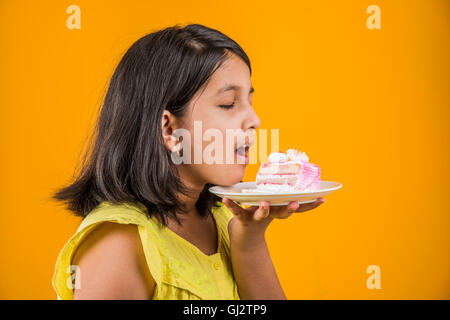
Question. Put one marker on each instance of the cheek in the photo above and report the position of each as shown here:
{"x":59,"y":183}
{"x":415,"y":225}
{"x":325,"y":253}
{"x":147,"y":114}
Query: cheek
{"x":224,"y":174}
{"x":202,"y":144}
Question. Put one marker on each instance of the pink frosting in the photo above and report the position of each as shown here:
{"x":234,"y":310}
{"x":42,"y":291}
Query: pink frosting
{"x":308,"y":177}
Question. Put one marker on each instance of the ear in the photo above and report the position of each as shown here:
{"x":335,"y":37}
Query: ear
{"x":168,"y":125}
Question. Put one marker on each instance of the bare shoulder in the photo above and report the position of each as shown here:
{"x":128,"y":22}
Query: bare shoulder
{"x":111,"y":264}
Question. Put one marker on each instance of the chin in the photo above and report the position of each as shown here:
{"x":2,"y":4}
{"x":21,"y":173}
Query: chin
{"x":232,"y":176}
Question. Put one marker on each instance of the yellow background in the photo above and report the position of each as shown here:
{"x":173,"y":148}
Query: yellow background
{"x":371,"y":107}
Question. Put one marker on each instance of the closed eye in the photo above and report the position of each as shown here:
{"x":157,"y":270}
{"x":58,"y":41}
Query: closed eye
{"x":225,"y":106}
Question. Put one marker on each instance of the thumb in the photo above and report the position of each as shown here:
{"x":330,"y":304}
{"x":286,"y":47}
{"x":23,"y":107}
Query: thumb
{"x":232,"y":206}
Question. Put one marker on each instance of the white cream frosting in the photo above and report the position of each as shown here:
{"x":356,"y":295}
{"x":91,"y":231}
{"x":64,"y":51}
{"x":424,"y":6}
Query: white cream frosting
{"x":278,"y":157}
{"x":296,"y":155}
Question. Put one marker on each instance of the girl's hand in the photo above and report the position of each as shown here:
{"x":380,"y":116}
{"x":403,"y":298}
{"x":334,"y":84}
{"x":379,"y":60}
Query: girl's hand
{"x":249,"y":225}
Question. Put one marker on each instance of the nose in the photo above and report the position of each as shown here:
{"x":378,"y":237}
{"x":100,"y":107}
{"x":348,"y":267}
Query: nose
{"x":251,"y":120}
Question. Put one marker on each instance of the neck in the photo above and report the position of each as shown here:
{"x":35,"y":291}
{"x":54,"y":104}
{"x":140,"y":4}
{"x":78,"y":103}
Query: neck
{"x":195,"y":187}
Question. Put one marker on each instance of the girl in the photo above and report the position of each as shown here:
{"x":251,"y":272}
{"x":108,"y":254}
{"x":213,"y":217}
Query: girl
{"x":151,"y":229}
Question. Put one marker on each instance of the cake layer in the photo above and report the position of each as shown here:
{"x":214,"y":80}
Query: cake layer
{"x":277,"y":179}
{"x":270,"y":187}
{"x":294,"y":177}
{"x":279,"y":168}
{"x":288,"y":173}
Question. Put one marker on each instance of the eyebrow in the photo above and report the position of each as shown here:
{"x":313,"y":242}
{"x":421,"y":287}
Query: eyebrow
{"x":233,"y":87}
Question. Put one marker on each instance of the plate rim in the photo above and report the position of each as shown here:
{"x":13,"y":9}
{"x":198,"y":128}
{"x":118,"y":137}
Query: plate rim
{"x":277,"y":193}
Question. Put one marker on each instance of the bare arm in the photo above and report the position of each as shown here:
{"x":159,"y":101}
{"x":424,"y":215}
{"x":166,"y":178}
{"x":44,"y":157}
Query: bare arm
{"x":112,"y":264}
{"x":253,"y":269}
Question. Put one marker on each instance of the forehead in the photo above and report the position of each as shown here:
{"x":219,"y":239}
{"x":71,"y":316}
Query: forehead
{"x":233,"y":72}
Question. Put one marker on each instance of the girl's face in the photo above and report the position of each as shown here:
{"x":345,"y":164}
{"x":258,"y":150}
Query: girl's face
{"x":224,"y":103}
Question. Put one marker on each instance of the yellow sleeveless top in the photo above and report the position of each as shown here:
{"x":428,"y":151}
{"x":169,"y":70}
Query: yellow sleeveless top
{"x":181,"y":271}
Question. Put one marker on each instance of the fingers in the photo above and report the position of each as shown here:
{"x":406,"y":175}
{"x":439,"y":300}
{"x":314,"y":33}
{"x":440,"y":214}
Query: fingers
{"x":283,"y":212}
{"x":263,"y":211}
{"x":256,"y":213}
{"x":310,"y":206}
{"x":292,"y":206}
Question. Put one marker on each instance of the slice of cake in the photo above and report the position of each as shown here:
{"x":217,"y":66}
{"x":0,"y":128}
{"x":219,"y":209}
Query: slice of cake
{"x":287,"y":172}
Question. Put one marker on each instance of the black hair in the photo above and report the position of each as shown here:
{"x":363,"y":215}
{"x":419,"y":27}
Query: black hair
{"x":127,"y":160}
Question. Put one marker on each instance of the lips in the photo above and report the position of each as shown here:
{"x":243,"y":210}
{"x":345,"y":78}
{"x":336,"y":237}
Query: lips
{"x":243,"y":150}
{"x":248,"y":144}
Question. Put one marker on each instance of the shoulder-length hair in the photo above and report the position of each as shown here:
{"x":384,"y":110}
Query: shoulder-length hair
{"x":127,"y":160}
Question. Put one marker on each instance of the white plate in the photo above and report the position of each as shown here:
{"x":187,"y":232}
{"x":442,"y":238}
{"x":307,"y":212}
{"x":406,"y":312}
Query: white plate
{"x":235,"y":193}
